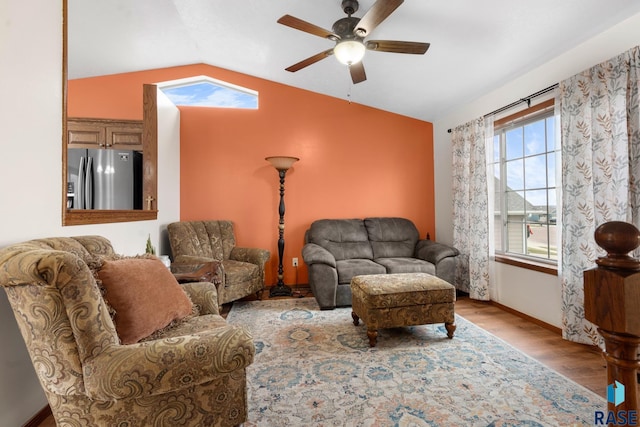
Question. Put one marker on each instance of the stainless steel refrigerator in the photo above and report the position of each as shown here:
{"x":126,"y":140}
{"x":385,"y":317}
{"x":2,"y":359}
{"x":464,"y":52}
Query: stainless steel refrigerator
{"x":104,"y":179}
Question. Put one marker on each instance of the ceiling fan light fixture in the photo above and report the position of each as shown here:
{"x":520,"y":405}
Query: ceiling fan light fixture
{"x":349,"y":52}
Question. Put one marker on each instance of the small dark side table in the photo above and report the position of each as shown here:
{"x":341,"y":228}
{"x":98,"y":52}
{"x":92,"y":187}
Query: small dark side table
{"x":198,"y":272}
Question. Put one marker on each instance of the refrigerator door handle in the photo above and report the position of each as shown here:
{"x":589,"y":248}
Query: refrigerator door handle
{"x":89,"y":184}
{"x":80,"y":196}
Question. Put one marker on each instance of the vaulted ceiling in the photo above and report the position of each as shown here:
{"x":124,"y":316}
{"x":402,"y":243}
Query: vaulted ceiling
{"x":475,"y":46}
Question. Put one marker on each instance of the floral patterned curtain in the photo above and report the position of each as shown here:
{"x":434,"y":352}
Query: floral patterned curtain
{"x":600,"y":115}
{"x":471,"y":208}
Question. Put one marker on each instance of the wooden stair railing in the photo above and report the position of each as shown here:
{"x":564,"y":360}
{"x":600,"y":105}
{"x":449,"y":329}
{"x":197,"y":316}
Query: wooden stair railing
{"x":612,"y":302}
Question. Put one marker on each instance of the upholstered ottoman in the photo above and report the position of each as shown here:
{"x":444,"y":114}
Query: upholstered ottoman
{"x":395,"y":300}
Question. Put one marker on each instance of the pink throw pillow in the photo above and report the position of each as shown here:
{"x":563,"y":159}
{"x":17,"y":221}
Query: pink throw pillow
{"x":145,"y":296}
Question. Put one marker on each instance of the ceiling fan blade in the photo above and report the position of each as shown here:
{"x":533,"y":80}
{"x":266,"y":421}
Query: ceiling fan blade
{"x":374,"y":16}
{"x":310,"y":60}
{"x":416,"y":48}
{"x":357,"y":72}
{"x":299,"y":24}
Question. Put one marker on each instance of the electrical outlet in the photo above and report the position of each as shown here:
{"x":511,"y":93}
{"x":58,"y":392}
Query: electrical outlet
{"x":294,"y":262}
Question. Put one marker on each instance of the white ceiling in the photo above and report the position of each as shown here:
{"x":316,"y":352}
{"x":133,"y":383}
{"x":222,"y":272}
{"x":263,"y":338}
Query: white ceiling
{"x":475,"y":46}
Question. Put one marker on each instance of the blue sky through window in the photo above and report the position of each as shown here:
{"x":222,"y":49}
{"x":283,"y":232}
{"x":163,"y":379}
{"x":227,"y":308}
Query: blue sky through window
{"x":530,"y":161}
{"x":206,"y":93}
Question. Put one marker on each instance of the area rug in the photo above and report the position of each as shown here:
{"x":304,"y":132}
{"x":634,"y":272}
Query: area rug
{"x":315,"y":368}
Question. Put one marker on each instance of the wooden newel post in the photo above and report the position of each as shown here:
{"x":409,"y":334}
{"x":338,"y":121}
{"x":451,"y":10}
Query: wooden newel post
{"x":612,"y":302}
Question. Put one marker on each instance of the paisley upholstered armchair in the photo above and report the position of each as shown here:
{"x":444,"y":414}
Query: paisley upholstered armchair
{"x":188,"y":373}
{"x":201,"y":241}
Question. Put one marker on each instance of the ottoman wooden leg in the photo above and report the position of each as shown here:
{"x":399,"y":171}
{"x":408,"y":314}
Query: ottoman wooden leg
{"x":451,"y":327}
{"x":373,"y":337}
{"x":356,"y":319}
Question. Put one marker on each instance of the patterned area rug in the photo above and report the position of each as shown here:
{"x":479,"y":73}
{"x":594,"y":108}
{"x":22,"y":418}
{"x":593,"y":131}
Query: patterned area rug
{"x":315,"y":368}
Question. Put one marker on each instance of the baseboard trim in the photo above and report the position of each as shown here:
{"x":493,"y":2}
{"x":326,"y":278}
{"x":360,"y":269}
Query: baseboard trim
{"x":531,"y":319}
{"x":39,"y":418}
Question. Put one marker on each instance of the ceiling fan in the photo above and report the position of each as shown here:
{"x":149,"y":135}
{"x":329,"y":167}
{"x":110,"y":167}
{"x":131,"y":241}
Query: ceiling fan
{"x":349,"y":35}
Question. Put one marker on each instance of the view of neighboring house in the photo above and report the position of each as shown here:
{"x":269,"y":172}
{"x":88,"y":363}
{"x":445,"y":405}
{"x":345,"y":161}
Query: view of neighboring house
{"x":531,"y":229}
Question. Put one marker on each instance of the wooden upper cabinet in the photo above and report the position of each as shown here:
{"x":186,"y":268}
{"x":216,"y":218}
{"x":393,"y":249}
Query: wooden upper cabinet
{"x":103,"y":133}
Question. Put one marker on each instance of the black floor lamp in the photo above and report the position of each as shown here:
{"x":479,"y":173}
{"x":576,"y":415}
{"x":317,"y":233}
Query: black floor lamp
{"x":282,"y":164}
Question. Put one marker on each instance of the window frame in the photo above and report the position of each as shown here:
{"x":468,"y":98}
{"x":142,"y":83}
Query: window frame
{"x":516,"y":120}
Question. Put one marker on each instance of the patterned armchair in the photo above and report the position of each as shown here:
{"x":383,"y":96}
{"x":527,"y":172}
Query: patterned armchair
{"x":192,"y":374}
{"x":242,"y":268}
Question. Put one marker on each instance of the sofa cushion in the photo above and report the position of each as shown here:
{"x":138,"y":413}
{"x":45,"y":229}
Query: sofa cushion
{"x":392,"y":237}
{"x":145,"y":296}
{"x":347,"y":268}
{"x":406,"y":265}
{"x":238,"y":271}
{"x":211,"y":239}
{"x":344,"y":238}
{"x":193,"y":325}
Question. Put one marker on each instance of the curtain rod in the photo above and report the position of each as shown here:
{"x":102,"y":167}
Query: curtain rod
{"x":520,"y":101}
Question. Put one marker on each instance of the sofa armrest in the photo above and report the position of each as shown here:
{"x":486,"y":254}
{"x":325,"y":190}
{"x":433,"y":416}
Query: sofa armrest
{"x":203,"y":295}
{"x":160,"y":366}
{"x":316,"y":254}
{"x":192,"y":259}
{"x":433,"y":252}
{"x":251,"y":255}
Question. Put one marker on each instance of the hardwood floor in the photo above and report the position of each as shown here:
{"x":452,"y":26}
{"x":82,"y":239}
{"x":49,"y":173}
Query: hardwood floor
{"x":583,"y":364}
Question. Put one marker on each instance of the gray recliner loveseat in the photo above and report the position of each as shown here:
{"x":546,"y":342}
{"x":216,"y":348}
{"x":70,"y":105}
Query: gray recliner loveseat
{"x":335,"y":250}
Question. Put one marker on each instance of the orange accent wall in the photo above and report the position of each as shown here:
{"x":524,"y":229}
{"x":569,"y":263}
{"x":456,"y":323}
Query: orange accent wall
{"x":355,"y":161}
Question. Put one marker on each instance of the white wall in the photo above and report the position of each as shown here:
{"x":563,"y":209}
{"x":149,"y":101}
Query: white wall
{"x":31,"y":176}
{"x":535,"y":294}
